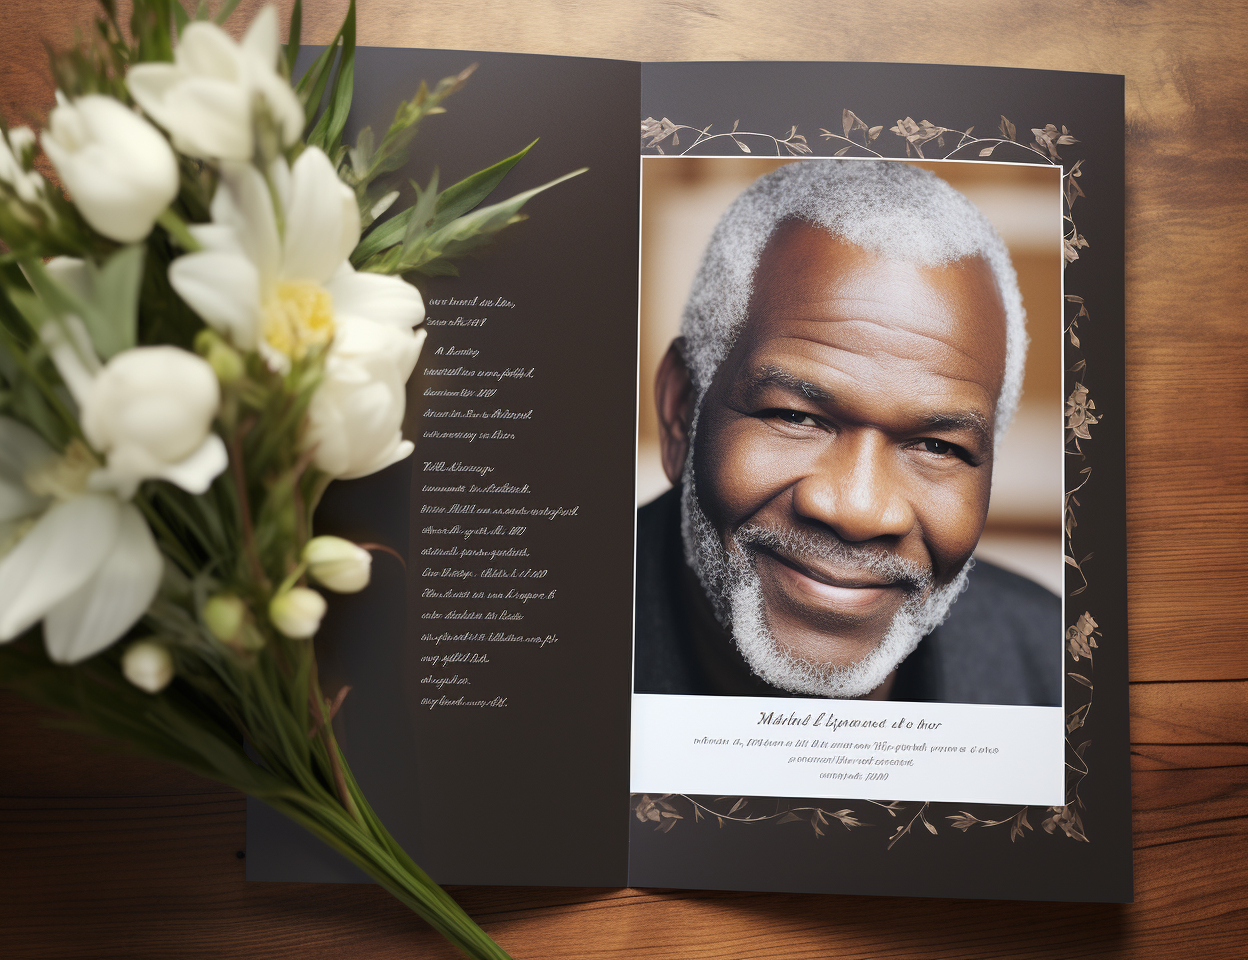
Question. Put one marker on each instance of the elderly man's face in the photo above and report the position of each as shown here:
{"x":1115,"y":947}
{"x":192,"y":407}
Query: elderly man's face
{"x":844,"y":448}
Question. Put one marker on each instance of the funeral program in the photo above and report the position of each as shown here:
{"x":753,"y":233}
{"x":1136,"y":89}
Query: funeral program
{"x":766,"y":508}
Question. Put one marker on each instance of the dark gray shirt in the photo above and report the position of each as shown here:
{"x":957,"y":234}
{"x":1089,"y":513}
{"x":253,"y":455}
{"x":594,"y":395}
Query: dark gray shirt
{"x":1002,"y":642}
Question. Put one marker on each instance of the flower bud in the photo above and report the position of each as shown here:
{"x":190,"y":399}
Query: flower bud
{"x":120,"y":172}
{"x":223,"y":615}
{"x":15,"y":151}
{"x":147,"y":665}
{"x":297,"y":612}
{"x":226,"y":362}
{"x":249,"y":639}
{"x":338,"y":564}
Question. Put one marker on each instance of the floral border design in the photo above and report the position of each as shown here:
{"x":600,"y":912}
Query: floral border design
{"x":861,"y":139}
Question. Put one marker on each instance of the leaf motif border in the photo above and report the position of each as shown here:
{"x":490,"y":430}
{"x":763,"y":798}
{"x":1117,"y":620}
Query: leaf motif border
{"x":925,"y":140}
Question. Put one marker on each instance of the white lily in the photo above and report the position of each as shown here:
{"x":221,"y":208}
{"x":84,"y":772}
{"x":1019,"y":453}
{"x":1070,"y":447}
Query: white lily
{"x":21,"y":452}
{"x":84,"y":563}
{"x":208,"y":96}
{"x":355,"y":418}
{"x":285,"y":293}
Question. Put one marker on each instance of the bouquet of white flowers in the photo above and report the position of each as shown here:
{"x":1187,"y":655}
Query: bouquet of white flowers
{"x":208,"y":330}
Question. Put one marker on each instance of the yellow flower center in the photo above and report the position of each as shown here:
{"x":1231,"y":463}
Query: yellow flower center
{"x":64,"y":477}
{"x":298,"y":317}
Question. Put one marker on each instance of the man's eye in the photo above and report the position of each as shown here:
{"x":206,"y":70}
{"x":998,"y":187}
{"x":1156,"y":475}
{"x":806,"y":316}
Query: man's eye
{"x":792,"y":416}
{"x":941,"y":447}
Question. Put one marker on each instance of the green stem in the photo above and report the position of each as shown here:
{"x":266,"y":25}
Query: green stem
{"x":168,"y":539}
{"x":348,"y":824}
{"x":372,"y":849}
{"x":178,"y":231}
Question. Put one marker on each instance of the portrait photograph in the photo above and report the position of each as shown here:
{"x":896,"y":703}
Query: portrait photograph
{"x":850,"y":435}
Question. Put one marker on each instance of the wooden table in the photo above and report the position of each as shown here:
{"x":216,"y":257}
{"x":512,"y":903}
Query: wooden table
{"x":109,"y":857}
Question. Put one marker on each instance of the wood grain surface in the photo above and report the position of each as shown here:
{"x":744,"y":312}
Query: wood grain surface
{"x":106,"y":856}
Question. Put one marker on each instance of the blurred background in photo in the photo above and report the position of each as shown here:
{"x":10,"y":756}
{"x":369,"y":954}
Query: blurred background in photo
{"x":682,"y":198}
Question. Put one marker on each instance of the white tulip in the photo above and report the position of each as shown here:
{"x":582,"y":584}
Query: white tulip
{"x":150,"y":411}
{"x":206,"y":97}
{"x":297,"y":612}
{"x":338,"y":564}
{"x":27,"y":184}
{"x":356,"y":414}
{"x":147,"y":665}
{"x":120,"y":172}
{"x":84,"y":563}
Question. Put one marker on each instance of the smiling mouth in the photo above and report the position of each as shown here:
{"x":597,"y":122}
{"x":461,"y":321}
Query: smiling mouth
{"x":839,"y":589}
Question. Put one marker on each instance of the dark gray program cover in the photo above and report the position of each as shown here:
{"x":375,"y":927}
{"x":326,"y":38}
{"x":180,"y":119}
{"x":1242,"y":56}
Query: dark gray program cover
{"x":813,"y":399}
{"x":488,"y":715}
{"x":609,"y":653}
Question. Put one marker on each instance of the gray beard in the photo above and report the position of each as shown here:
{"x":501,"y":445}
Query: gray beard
{"x":732,"y":584}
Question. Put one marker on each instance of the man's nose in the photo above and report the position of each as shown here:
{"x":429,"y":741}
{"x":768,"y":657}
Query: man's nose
{"x":856,"y":488}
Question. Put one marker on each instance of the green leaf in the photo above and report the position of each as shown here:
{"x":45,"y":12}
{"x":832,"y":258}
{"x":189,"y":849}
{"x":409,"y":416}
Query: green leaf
{"x":226,"y":9}
{"x":109,"y":311}
{"x":407,"y":226}
{"x":385,"y":236}
{"x":495,"y":216}
{"x":11,"y":275}
{"x":464,"y":233}
{"x":33,"y":310}
{"x":392,"y":153}
{"x":115,"y":288}
{"x":442,"y":239}
{"x":344,"y":83}
{"x":327,"y":133}
{"x":35,"y":398}
{"x":463,"y":196}
{"x":440,"y":267}
{"x":180,"y":18}
{"x":296,"y":30}
{"x":459,"y":247}
{"x":362,"y":153}
{"x":60,"y":300}
{"x":311,"y":86}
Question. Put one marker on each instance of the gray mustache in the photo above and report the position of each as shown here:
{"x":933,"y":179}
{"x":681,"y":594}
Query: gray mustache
{"x":802,"y":546}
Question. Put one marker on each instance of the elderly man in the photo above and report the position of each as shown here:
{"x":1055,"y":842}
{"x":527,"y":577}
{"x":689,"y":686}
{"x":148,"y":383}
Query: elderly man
{"x":851,"y":354}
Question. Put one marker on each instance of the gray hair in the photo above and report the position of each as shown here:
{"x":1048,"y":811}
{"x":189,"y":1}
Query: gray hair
{"x":891,"y":209}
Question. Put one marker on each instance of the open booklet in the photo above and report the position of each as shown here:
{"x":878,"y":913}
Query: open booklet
{"x":688,"y":596}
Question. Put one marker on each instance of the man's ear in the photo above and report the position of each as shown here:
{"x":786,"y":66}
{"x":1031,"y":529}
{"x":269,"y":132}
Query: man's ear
{"x":673,"y":397}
